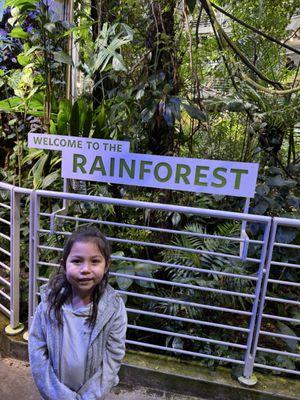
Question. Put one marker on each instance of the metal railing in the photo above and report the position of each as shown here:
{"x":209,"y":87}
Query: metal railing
{"x":5,"y":244}
{"x":281,"y":285}
{"x":164,"y":296}
{"x":10,"y":254}
{"x":201,"y":290}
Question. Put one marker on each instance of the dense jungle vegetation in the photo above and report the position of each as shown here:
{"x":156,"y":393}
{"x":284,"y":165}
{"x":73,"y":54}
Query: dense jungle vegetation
{"x":146,"y":73}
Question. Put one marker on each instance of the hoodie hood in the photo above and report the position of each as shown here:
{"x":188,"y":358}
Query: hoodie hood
{"x":107,"y":305}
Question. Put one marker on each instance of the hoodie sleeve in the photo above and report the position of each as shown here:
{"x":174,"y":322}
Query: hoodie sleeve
{"x":42,"y":371}
{"x":99,"y":385}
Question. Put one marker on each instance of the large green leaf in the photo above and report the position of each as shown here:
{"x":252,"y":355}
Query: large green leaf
{"x":37,"y":171}
{"x":16,"y":104}
{"x":118,"y":63}
{"x":83,"y":111}
{"x":100,"y":119}
{"x":145,"y":270}
{"x":62,"y":57}
{"x":63,"y":116}
{"x":124,"y":282}
{"x":23,"y":59}
{"x":285,"y":234}
{"x":49,"y":179}
{"x":195,"y":112}
{"x":285,"y":330}
{"x":278,"y":181}
{"x":18,"y":33}
{"x":86,"y":128}
{"x":19,"y":3}
{"x":10,"y":104}
{"x":236,"y":106}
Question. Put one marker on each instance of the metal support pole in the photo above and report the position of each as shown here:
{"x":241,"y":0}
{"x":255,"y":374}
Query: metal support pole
{"x":33,"y":255}
{"x":248,"y":379}
{"x":245,"y":243}
{"x":263,"y":292}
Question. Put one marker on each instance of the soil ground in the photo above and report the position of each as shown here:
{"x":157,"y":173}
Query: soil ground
{"x":16,"y":383}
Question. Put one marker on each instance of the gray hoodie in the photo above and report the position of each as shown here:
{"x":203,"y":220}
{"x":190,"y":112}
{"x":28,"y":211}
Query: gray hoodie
{"x":105,"y":352}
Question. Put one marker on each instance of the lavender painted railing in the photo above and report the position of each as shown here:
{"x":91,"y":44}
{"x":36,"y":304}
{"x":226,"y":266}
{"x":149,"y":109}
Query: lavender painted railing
{"x":182,"y":297}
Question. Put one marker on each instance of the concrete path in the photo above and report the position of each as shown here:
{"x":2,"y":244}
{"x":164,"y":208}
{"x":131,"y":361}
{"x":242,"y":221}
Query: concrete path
{"x":16,"y":383}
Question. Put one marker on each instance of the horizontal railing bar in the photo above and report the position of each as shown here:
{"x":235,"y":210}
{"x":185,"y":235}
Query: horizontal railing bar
{"x":5,"y":295}
{"x":283,"y":353}
{"x":6,"y":186}
{"x":147,"y":228}
{"x":284,"y":264}
{"x":280,"y":335}
{"x":6,"y":206}
{"x":189,"y":320}
{"x":184,"y":285}
{"x":17,"y":189}
{"x":279,"y":318}
{"x":187,"y":303}
{"x":5,"y":252}
{"x":42,"y":279}
{"x":287,"y":283}
{"x":5,"y":310}
{"x":180,"y":248}
{"x":5,"y":222}
{"x":4,"y":236}
{"x":288,"y":246}
{"x":183,"y":335}
{"x":191,"y":353}
{"x":4,"y":282}
{"x":273,"y":368}
{"x":6,"y":267}
{"x":48,"y":264}
{"x":158,"y":206}
{"x":183,"y":267}
{"x":44,"y":247}
{"x":286,"y":221}
{"x":286,"y":301}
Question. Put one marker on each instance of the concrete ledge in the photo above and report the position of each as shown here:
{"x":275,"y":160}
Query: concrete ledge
{"x":169,"y":374}
{"x":190,"y":378}
{"x":14,"y":346}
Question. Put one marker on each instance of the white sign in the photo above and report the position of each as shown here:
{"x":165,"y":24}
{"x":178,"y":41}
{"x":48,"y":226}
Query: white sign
{"x":110,"y":161}
{"x":80,"y":144}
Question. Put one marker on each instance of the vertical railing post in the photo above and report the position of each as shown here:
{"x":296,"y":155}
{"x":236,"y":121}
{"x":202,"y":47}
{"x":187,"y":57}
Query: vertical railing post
{"x":248,"y":378}
{"x":15,"y":326}
{"x":33,"y":255}
{"x":264,"y":288}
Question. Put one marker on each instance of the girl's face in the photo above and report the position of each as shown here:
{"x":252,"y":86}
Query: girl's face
{"x":85,"y":267}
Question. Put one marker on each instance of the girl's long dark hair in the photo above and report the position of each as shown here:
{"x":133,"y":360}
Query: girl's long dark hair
{"x":61,"y":290}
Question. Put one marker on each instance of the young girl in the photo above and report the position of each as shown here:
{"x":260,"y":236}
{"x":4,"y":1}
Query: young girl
{"x":77,"y":338}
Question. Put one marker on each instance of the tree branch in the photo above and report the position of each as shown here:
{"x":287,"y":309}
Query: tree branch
{"x":241,"y":22}
{"x":257,"y":86}
{"x":228,"y":43}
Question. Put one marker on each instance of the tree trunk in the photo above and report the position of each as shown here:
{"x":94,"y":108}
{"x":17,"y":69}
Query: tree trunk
{"x":101,"y":11}
{"x":160,"y":41}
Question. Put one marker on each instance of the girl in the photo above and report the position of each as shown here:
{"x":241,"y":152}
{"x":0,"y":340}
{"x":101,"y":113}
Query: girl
{"x":77,"y":337}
